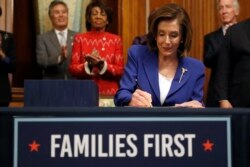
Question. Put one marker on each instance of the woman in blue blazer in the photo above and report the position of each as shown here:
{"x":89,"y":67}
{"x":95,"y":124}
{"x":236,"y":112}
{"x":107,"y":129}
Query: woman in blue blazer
{"x":161,"y":74}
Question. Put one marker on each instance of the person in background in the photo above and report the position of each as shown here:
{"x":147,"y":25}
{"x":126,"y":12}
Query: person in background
{"x":53,"y":48}
{"x":98,"y":54}
{"x":233,"y":76}
{"x":7,"y":65}
{"x":228,"y":10}
{"x":140,"y":40}
{"x":161,"y":74}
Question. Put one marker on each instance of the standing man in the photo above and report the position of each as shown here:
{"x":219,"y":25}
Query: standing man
{"x":53,"y":48}
{"x":7,"y":64}
{"x":228,"y":10}
{"x":233,"y":76}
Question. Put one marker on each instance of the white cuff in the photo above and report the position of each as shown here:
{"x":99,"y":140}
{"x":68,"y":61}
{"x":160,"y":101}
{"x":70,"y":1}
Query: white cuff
{"x":86,"y":68}
{"x":104,"y":69}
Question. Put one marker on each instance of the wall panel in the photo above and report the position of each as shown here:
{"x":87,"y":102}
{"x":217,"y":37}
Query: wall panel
{"x":244,"y":10}
{"x":133,"y":21}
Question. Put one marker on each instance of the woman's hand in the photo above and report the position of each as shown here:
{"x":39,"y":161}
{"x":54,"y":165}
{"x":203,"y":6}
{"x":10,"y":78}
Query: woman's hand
{"x":94,"y":58}
{"x":141,"y":99}
{"x":91,"y":59}
{"x":190,"y":104}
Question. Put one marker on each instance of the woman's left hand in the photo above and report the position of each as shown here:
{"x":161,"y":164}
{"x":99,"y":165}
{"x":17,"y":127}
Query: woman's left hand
{"x":94,"y":58}
{"x":190,"y":104}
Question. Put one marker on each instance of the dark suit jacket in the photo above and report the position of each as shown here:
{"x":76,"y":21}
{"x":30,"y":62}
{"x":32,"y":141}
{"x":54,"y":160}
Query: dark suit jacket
{"x":212,"y":45}
{"x":48,"y":50}
{"x":233,"y":77}
{"x":6,"y":66}
{"x":142,"y":70}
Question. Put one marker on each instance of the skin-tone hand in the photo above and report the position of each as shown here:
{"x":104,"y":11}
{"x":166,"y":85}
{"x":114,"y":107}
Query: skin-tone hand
{"x":141,"y":99}
{"x":190,"y":104}
{"x":64,"y":52}
{"x":225,"y":104}
{"x":95,"y":60}
{"x":2,"y":54}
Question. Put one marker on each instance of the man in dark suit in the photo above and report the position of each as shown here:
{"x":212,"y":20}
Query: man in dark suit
{"x":233,"y":76}
{"x":233,"y":84}
{"x":228,"y":11}
{"x":53,"y":48}
{"x":7,"y":64}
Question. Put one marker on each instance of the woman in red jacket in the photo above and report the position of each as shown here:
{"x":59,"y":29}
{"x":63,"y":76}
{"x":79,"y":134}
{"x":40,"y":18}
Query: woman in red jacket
{"x":97,"y":54}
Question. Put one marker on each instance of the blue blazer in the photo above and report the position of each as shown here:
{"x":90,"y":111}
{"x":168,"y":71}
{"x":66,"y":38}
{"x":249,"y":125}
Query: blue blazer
{"x":142,"y":71}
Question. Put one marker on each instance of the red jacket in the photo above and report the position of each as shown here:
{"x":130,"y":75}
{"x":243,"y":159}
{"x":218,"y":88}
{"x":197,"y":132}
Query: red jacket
{"x":109,"y":47}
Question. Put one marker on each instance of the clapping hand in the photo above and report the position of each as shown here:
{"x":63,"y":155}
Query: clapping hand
{"x":94,"y":60}
{"x":64,"y":52}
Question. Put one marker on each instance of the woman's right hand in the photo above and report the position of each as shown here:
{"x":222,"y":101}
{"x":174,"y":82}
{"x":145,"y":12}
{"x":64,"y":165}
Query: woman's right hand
{"x":91,"y":59}
{"x":94,"y":58}
{"x":141,"y":99}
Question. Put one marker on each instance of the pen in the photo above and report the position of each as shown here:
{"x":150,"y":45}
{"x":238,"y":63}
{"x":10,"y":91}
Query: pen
{"x":138,"y":87}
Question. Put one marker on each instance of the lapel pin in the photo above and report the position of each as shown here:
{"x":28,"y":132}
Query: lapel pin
{"x":183,"y":70}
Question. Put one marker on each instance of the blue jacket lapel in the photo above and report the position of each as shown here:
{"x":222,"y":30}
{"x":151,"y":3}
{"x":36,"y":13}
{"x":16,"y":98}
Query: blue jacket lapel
{"x":151,"y":69}
{"x":181,"y":77}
